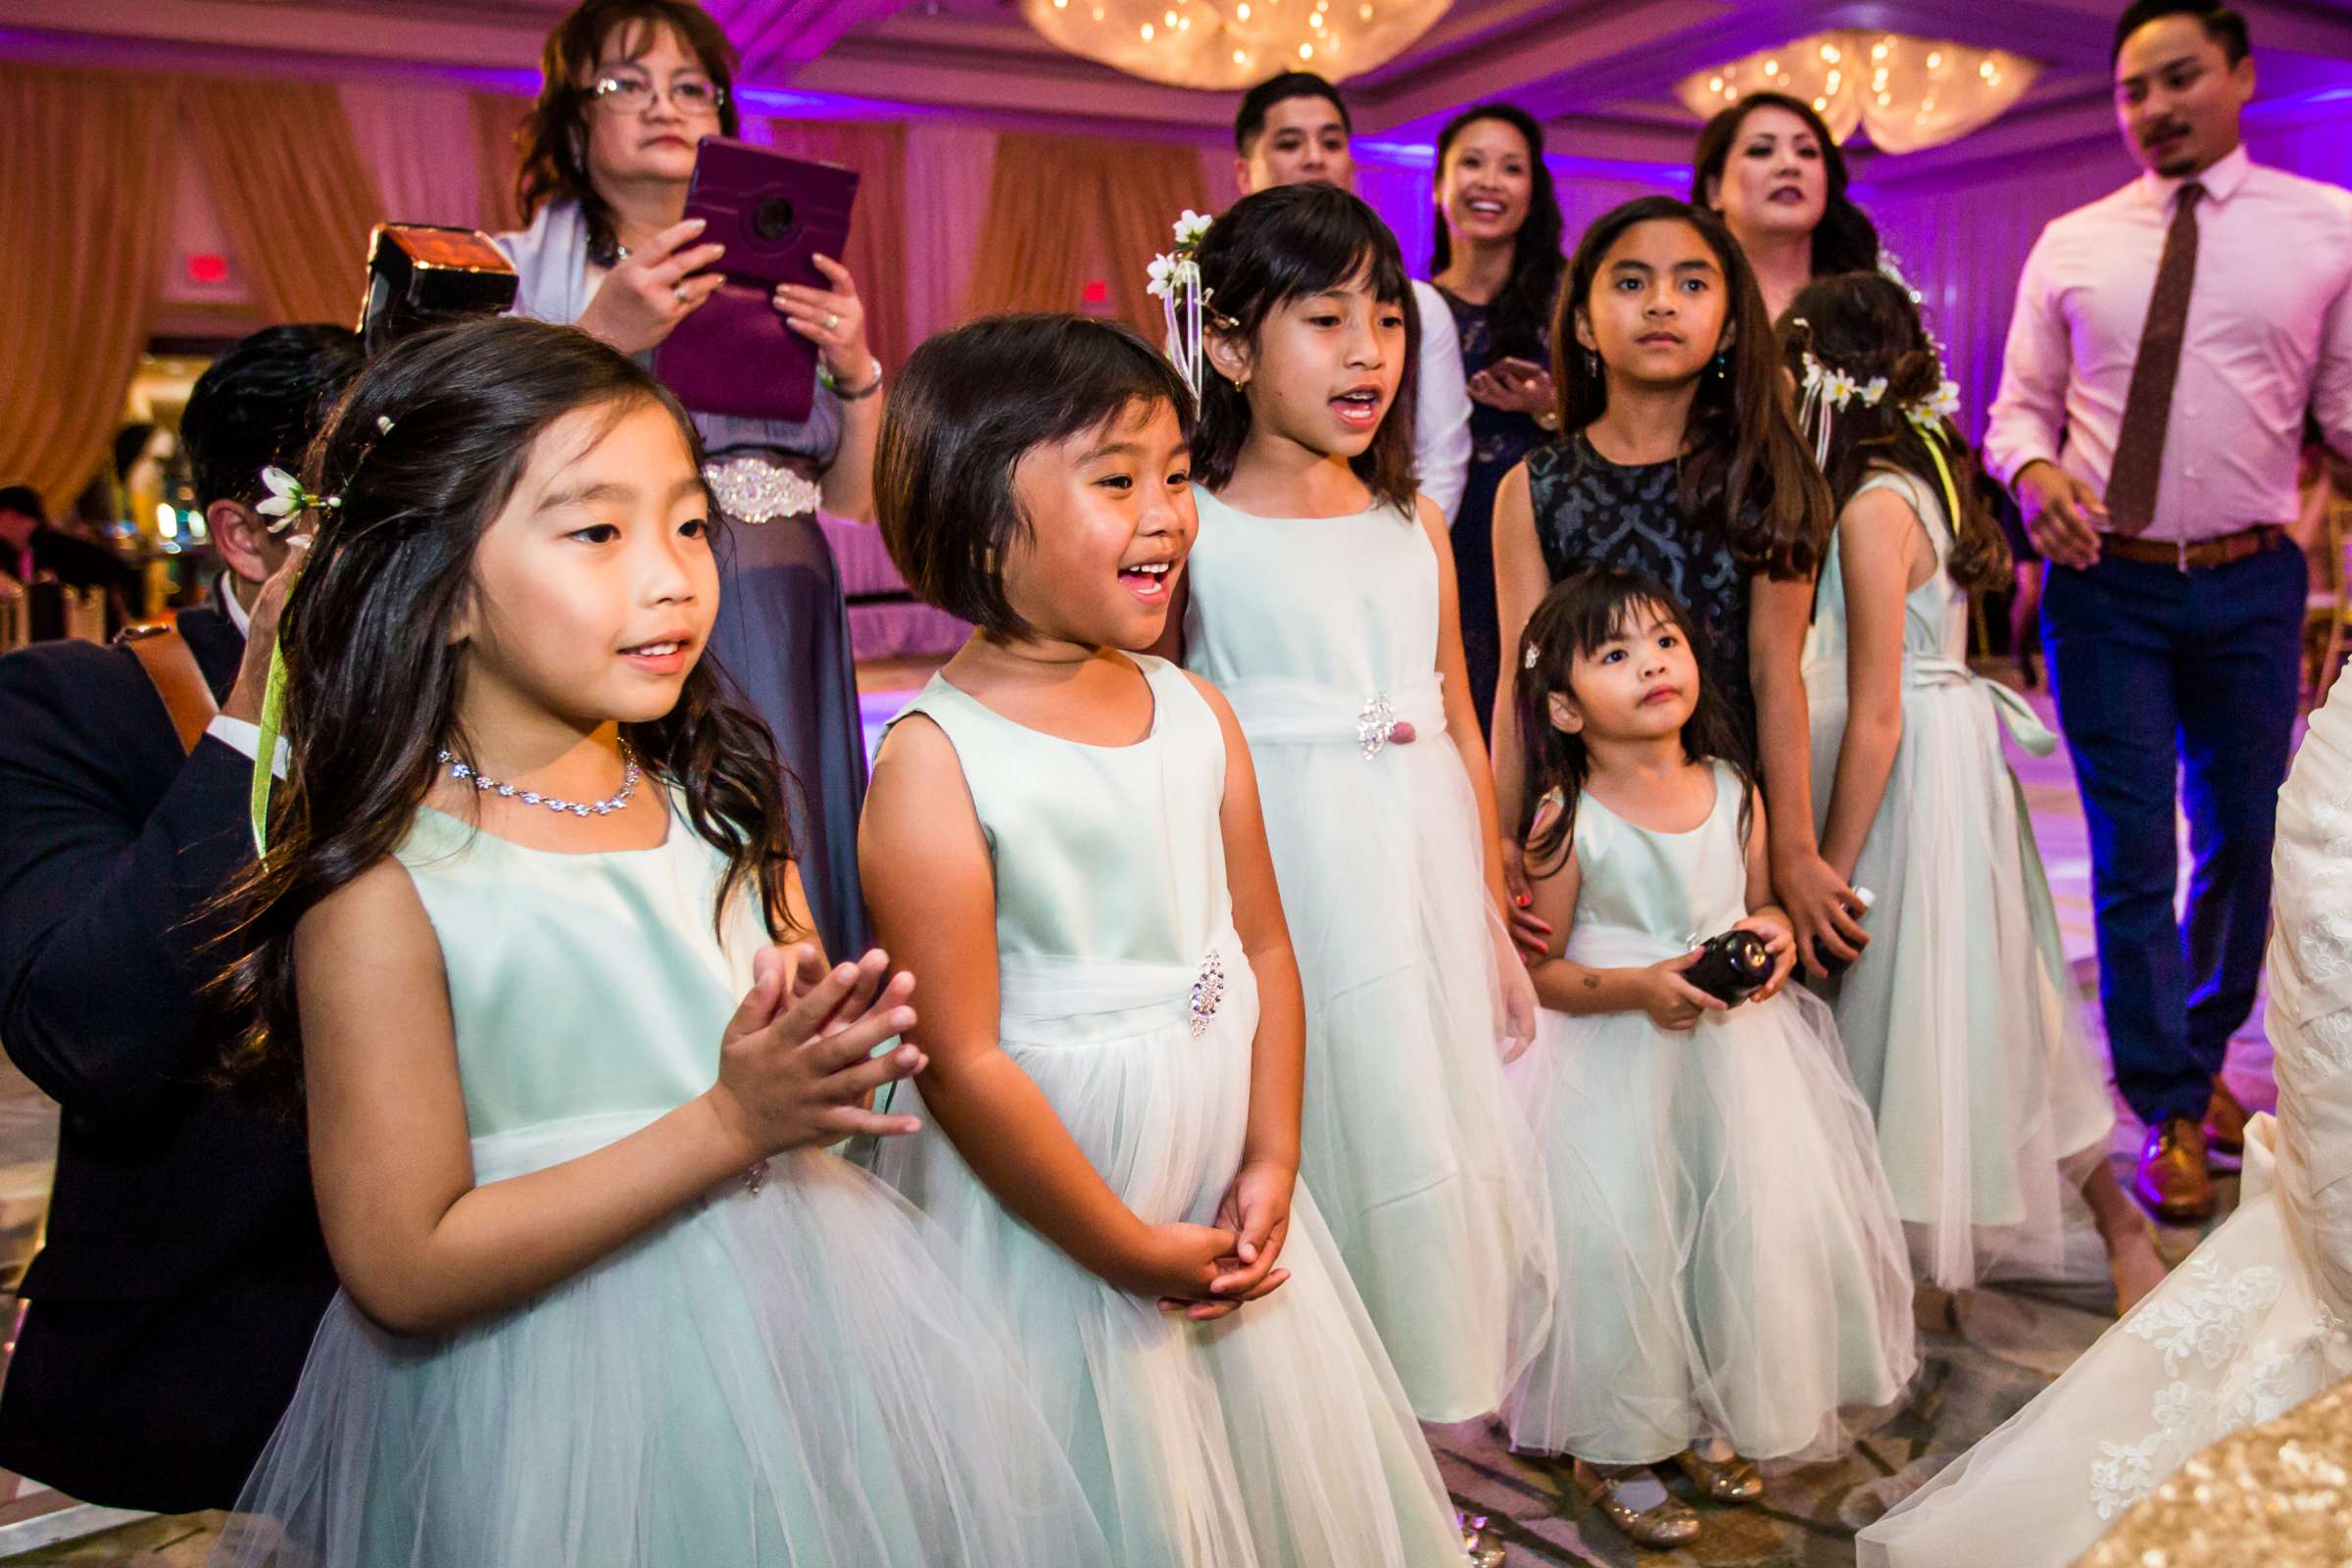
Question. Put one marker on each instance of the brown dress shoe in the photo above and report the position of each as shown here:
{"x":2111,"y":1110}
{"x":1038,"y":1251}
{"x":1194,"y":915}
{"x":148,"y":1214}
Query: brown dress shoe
{"x":2225,"y":1121}
{"x":2173,"y":1182}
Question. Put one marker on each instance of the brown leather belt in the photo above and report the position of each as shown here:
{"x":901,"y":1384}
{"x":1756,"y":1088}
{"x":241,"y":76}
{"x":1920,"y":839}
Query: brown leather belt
{"x":2227,"y":549}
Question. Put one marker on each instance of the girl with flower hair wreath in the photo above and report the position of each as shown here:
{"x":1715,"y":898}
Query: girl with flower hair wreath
{"x":1960,"y":1021}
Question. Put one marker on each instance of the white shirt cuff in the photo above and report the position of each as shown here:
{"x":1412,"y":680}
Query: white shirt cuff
{"x":245,"y":738}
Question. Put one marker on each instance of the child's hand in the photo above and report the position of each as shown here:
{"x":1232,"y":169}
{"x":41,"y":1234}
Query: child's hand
{"x":1518,"y":1020}
{"x":1530,"y":931}
{"x":1674,"y":1001}
{"x":1258,"y":1211}
{"x":1780,"y":943}
{"x":1176,"y":1261}
{"x":1822,"y":909}
{"x":797,"y":1061}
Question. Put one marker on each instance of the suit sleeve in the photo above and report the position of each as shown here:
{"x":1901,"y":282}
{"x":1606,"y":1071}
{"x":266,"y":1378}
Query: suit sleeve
{"x":100,"y":882}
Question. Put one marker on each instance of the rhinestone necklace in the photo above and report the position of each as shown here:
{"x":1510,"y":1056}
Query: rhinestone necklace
{"x":462,"y":770}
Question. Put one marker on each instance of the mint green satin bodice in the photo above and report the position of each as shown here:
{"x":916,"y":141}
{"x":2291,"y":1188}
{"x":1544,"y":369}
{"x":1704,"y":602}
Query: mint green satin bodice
{"x":580,"y":984}
{"x":1101,"y":853}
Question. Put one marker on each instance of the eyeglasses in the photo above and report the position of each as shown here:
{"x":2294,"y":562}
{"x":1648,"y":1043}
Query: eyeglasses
{"x":634,"y":95}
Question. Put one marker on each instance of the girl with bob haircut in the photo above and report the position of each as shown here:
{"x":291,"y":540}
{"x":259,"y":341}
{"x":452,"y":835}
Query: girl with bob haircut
{"x":515,"y":939}
{"x":1965,"y":1032}
{"x":1064,"y":839}
{"x":1731,"y":1270}
{"x":1320,"y":600}
{"x":1678,"y":456}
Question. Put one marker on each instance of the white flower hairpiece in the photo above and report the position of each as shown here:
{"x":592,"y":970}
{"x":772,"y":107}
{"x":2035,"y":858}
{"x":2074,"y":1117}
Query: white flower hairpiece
{"x":289,"y":498}
{"x":1176,"y":284}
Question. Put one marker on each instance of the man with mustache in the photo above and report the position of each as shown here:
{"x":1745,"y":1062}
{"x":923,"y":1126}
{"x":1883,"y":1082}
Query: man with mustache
{"x":2168,"y":342}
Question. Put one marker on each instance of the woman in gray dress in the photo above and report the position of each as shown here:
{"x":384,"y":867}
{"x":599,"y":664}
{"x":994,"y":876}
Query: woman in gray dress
{"x":628,"y":87}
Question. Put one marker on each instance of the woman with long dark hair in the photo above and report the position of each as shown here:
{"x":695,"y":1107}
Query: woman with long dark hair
{"x":1770,"y":167}
{"x":627,"y":89}
{"x":1497,"y":259}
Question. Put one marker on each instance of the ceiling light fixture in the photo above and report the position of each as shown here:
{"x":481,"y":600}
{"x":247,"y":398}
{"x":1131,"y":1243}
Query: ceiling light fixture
{"x":1215,"y":44}
{"x":1922,"y":92}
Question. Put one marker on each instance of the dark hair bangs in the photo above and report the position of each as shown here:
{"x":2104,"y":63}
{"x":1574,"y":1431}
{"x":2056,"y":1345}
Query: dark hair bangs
{"x":966,"y":408}
{"x":1289,"y":243}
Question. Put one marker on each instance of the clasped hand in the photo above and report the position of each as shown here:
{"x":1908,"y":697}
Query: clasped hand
{"x":1207,"y":1271}
{"x":797,"y":1061}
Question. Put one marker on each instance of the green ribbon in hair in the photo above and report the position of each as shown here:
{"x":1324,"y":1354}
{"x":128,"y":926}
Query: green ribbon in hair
{"x":264,"y":760}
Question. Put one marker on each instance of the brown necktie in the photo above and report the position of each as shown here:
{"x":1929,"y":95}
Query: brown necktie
{"x":2148,"y":406}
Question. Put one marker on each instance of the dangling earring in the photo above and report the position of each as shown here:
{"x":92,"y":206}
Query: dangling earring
{"x":1591,"y":363}
{"x":1723,"y":365}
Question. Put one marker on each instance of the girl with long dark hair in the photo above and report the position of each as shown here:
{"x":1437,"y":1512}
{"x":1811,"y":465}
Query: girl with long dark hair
{"x":1497,"y":261}
{"x":1963,"y":1027}
{"x":1770,"y":167}
{"x":627,"y":89}
{"x":1320,"y":599}
{"x":1731,"y":1270}
{"x":513,"y":939}
{"x":1678,"y":456}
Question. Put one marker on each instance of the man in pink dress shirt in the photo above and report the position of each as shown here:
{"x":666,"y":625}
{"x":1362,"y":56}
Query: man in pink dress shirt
{"x":2168,"y":342}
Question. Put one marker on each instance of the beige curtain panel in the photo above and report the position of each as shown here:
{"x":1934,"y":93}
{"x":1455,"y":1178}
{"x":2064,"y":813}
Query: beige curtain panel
{"x":87,"y":160}
{"x":1058,"y":203}
{"x":497,"y":121}
{"x":293,"y":191}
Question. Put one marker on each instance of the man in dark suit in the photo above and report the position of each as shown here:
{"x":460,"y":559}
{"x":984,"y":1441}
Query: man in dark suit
{"x":183,"y":1273}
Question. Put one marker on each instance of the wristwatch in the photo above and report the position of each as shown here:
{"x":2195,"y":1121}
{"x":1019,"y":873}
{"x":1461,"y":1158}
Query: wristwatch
{"x":874,"y":384}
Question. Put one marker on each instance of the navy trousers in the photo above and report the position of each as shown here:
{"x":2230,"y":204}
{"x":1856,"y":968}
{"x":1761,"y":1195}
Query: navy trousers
{"x":2162,"y":673}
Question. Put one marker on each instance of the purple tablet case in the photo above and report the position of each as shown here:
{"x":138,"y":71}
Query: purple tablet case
{"x":772,"y":213}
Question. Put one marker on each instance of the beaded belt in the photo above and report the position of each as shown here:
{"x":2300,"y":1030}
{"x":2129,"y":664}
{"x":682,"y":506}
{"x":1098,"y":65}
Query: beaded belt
{"x":756,"y":489}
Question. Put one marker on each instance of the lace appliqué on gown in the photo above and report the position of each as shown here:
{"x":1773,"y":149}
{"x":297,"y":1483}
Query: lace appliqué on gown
{"x":2208,"y":1321}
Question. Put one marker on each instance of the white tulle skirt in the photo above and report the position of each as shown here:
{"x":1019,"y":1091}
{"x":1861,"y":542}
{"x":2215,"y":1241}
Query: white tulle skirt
{"x":1730,"y":1259}
{"x":1410,"y":1138}
{"x":785,"y":1377}
{"x":1275,"y":1438}
{"x":1961,"y":1020}
{"x":2236,"y":1336}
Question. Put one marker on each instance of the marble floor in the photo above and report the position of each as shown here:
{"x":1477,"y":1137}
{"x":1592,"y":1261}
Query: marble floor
{"x":2002,"y":1345}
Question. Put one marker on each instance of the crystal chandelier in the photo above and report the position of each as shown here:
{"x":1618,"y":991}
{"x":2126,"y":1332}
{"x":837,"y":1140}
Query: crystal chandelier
{"x":1226,"y":44}
{"x":1906,"y":92}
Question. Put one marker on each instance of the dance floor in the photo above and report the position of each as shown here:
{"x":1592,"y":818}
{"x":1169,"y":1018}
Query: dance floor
{"x":1999,"y":1347}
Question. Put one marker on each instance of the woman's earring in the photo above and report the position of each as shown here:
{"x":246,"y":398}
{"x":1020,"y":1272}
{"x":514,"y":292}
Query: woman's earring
{"x":1723,"y":365}
{"x":1591,"y":363}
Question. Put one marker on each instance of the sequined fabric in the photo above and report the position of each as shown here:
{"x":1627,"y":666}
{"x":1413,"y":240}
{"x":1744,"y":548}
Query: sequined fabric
{"x":2278,"y":1495}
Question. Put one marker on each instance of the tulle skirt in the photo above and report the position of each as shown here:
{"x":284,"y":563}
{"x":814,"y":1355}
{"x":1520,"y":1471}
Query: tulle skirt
{"x":1961,"y":1019}
{"x":1410,"y":1138}
{"x":1730,"y":1260}
{"x":2236,"y":1336}
{"x":1275,"y":1438}
{"x":781,"y":1377}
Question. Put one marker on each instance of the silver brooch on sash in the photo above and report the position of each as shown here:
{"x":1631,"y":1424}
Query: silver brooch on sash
{"x":749,"y":489}
{"x":1375,"y":723}
{"x":1208,"y":991}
